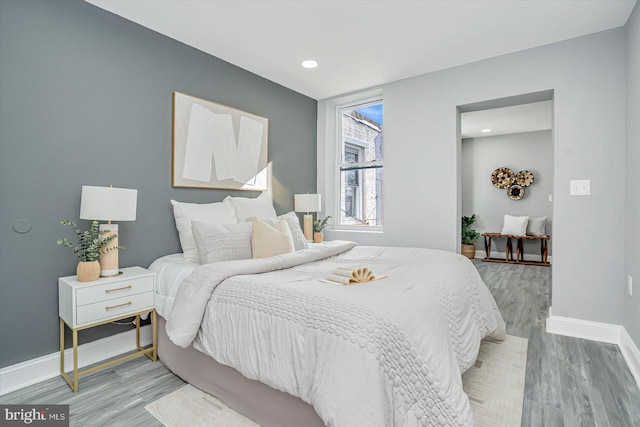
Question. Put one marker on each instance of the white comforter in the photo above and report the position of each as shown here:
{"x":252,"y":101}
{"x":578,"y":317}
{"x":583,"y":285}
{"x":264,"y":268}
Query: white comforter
{"x":384,"y":353}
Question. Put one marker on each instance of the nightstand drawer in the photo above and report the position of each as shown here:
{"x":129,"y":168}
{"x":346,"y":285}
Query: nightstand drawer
{"x":109,"y":291}
{"x":96,"y":312}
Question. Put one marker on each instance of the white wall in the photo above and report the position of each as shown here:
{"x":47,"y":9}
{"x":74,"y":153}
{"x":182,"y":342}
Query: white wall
{"x":532,"y":151}
{"x":422,"y":190}
{"x":632,"y":259}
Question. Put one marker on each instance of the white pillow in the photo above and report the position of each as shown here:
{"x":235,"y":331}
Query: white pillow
{"x":184,"y":213}
{"x":246,"y":208}
{"x":537,"y":226}
{"x":222,"y":242}
{"x":299,"y":241}
{"x":268,"y":241}
{"x":515,"y":225}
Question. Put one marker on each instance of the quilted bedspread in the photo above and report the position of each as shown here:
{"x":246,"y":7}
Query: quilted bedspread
{"x":383,"y":353}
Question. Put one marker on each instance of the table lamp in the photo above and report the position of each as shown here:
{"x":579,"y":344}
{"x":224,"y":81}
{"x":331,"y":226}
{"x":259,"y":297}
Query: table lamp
{"x":307,"y":203}
{"x":108,"y":204}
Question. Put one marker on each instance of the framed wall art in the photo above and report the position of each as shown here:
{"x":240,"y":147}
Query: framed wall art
{"x":216,"y":146}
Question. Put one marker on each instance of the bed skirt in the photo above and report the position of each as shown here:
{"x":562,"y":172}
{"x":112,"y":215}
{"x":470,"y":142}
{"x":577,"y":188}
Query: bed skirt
{"x":253,"y":399}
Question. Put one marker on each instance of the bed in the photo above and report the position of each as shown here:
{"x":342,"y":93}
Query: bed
{"x":273,"y":341}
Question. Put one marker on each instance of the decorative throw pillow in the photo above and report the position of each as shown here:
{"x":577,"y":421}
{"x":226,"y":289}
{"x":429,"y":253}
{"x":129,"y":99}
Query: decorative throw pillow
{"x":268,"y":240}
{"x":184,"y":213}
{"x":245,"y":208}
{"x":222,"y":242}
{"x":537,"y":226}
{"x":299,"y":242}
{"x":515,"y":225}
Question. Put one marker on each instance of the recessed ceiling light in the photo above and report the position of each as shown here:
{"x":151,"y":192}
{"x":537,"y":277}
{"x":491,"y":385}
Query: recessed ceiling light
{"x":485,"y":130}
{"x":309,"y":63}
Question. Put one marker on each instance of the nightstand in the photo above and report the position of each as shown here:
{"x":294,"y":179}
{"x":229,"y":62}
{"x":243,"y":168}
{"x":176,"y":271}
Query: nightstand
{"x":83,"y":305}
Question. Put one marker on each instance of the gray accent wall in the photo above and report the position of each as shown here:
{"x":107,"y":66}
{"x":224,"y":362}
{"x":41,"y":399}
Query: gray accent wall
{"x":532,"y":151}
{"x":632,"y":226}
{"x":86,"y":100}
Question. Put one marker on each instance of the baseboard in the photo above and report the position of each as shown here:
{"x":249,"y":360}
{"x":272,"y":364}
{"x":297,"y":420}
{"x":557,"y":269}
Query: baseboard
{"x":586,"y":329}
{"x":631,"y":354}
{"x":33,"y":371}
{"x":527,"y":257}
{"x":603,"y":332}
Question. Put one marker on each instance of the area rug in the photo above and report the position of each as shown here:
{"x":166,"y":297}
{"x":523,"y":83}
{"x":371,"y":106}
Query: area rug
{"x":495,"y":386}
{"x":188,"y":406}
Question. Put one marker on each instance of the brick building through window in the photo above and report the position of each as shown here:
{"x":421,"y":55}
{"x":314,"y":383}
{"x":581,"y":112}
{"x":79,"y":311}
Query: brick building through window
{"x":361,"y":167}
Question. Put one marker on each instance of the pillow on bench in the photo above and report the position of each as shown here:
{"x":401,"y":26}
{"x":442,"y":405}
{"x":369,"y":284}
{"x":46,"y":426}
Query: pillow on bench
{"x":537,"y":226}
{"x":515,"y":225}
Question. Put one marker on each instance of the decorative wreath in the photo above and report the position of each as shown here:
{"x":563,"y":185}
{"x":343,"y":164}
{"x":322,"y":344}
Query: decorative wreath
{"x":502,"y":177}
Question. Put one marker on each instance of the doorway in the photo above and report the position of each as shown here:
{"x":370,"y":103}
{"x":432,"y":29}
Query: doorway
{"x":506,"y":168}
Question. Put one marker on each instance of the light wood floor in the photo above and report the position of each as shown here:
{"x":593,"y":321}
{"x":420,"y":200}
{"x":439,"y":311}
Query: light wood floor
{"x":570,"y":382}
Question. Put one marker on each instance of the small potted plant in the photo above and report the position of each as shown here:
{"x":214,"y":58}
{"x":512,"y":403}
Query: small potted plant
{"x":90,"y":245}
{"x":469,"y":236}
{"x":318,"y":226}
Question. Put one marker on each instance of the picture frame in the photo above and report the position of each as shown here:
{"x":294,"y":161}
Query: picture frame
{"x":217,"y":147}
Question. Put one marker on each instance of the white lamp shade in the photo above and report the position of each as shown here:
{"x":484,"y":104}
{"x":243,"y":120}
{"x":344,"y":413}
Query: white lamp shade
{"x":307,"y":202}
{"x":108,"y":203}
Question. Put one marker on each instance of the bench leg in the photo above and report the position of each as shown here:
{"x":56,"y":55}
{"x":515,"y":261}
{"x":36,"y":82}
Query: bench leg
{"x":520,"y":250}
{"x":487,"y":247}
{"x":544,"y":250}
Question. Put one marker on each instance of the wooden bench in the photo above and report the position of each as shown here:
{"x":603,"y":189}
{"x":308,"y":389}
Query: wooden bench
{"x":519,"y":257}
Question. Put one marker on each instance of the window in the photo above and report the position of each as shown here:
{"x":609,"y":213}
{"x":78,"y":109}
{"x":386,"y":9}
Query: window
{"x":360,"y":165}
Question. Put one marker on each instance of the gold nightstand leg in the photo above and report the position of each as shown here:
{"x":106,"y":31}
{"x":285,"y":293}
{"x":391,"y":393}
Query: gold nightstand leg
{"x":61,"y":346}
{"x":63,"y":374}
{"x":72,"y":383}
{"x":75,"y":360}
{"x":155,"y":334}
{"x":138,"y":332}
{"x":152,"y":355}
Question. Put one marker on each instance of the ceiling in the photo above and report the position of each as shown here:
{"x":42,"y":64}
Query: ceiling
{"x":516,"y":119}
{"x":361,"y":44}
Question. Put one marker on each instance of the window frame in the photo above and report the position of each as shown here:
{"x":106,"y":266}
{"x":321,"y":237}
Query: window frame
{"x":339,"y":141}
{"x":358,"y":149}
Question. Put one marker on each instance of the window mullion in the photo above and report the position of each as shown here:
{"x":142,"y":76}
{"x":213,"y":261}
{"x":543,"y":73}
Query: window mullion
{"x":360,"y":166}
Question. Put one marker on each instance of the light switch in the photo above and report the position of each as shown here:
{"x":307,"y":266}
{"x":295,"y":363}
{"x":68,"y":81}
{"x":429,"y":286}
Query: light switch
{"x":581,"y":187}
